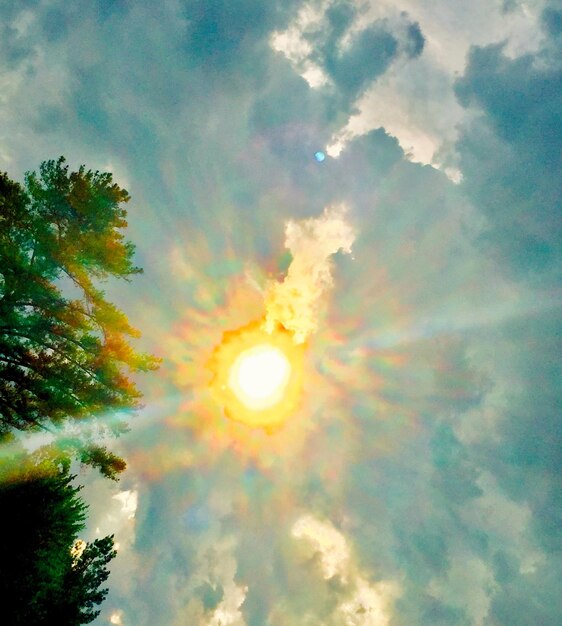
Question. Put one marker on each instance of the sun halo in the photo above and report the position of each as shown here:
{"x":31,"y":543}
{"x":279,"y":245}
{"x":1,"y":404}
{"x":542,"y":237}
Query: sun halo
{"x":257,"y":375}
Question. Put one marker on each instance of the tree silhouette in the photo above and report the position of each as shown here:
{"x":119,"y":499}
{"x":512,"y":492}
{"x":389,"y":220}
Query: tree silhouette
{"x":64,"y":350}
{"x":43,"y":581}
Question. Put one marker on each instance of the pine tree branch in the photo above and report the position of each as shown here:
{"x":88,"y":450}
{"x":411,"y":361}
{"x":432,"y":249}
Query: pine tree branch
{"x":55,"y":350}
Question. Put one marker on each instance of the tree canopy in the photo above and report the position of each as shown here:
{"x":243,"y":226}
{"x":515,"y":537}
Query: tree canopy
{"x":65,"y":355}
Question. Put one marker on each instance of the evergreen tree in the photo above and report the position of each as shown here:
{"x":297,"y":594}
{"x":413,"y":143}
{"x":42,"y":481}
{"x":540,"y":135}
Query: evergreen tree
{"x":64,"y":350}
{"x":43,"y":581}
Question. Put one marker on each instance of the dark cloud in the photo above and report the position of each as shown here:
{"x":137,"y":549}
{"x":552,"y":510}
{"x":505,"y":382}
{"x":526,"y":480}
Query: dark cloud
{"x":229,"y":39}
{"x":425,"y":552}
{"x":530,"y":599}
{"x":211,"y":596}
{"x":353,"y":60}
{"x":368,"y":56}
{"x":107,"y":9}
{"x":510,"y":155}
{"x":56,"y":23}
{"x":506,"y":567}
{"x":218,"y":31}
{"x":531,"y":455}
{"x":455,"y":474}
{"x":14,"y":49}
{"x":510,"y":158}
{"x":439,"y":613}
{"x":290,"y":117}
{"x":552,"y":21}
{"x":58,"y":20}
{"x":48,"y":119}
{"x":11,"y":9}
{"x":16,"y":46}
{"x":415,"y":40}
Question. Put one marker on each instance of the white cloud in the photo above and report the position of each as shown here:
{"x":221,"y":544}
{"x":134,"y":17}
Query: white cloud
{"x":112,"y":511}
{"x":129,"y":502}
{"x":294,"y":302}
{"x":367,"y":603}
{"x":116,"y":618}
{"x":292,"y":44}
{"x":414,"y":100}
{"x":416,"y":105}
{"x":450,"y":28}
{"x":331,"y":545}
{"x":228,"y":611}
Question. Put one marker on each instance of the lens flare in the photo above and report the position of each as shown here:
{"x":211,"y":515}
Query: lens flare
{"x":257,"y":375}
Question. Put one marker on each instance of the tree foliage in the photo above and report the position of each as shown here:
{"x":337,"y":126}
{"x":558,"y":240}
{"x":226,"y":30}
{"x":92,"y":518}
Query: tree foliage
{"x":65,"y":354}
{"x":43,"y":580}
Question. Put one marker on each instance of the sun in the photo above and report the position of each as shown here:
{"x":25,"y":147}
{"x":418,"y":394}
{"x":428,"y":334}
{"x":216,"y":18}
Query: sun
{"x":257,"y":375}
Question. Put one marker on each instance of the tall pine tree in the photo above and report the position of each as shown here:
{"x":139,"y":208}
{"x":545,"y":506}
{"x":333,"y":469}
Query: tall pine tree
{"x":65,"y":355}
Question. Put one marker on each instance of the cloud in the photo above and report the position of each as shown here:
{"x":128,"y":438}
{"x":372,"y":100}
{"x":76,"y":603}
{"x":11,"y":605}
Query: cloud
{"x":510,"y":153}
{"x":113,"y":512}
{"x":228,"y":612}
{"x":294,"y":303}
{"x":369,"y":604}
{"x":368,"y":56}
{"x":364,"y":603}
{"x":16,"y":48}
{"x":331,"y":545}
{"x":551,"y":19}
{"x":219,"y":36}
{"x":116,"y":618}
{"x":329,"y":44}
{"x":129,"y":500}
{"x":415,"y":102}
{"x":432,"y":436}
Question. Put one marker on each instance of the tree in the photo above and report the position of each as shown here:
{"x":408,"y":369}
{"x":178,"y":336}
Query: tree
{"x":83,"y":580}
{"x":64,"y":350}
{"x":43,"y":580}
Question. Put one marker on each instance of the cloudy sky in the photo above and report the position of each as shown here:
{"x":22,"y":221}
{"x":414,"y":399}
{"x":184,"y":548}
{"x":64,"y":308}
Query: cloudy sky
{"x":419,"y":480}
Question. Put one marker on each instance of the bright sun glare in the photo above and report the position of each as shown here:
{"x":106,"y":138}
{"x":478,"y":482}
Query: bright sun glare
{"x":259,"y":376}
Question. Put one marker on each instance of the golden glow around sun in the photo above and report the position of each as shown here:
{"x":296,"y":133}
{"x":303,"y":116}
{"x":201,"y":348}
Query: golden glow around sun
{"x":257,"y":375}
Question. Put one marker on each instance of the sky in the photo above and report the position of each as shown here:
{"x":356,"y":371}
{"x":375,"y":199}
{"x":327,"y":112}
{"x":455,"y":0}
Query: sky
{"x":418,"y":482}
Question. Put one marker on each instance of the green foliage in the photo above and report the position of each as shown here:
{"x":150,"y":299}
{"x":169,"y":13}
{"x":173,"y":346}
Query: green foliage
{"x":41,"y":581}
{"x":64,"y":358}
{"x":109,"y":464}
